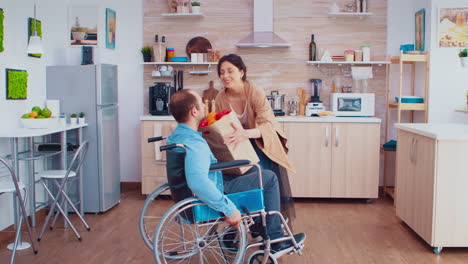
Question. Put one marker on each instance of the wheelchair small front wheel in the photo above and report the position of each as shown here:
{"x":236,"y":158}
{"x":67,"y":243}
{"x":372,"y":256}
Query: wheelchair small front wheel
{"x":151,"y":213}
{"x":179,"y":239}
{"x":258,"y":256}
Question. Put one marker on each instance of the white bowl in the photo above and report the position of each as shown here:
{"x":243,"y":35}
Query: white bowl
{"x":40,"y":123}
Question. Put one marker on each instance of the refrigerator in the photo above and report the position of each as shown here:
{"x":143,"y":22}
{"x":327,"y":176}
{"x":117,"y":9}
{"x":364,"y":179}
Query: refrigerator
{"x":92,"y":89}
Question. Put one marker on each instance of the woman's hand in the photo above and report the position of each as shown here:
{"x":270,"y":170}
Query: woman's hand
{"x":239,"y":135}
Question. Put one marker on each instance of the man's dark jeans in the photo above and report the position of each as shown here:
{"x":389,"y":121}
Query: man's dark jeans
{"x":250,"y":181}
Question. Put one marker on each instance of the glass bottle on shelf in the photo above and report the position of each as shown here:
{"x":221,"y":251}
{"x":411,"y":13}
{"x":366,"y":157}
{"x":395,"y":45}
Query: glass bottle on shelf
{"x":312,"y":49}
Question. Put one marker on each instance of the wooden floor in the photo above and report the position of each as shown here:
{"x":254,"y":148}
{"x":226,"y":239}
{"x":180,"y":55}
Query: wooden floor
{"x":338,"y":231}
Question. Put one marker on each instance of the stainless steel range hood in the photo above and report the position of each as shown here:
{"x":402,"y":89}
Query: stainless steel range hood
{"x":263,"y":35}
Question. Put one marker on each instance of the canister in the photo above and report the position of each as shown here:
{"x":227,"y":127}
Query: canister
{"x":365,"y":52}
{"x":358,"y":55}
{"x":349,"y":55}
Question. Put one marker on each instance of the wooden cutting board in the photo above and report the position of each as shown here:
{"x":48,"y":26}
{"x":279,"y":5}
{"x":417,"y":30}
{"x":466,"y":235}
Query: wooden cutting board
{"x":197,"y":45}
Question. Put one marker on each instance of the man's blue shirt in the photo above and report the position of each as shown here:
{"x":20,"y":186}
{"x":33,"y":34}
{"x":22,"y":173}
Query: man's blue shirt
{"x":206,"y":185}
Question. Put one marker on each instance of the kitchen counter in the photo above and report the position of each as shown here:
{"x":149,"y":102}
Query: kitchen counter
{"x":295,"y":119}
{"x":20,"y":132}
{"x":447,"y":131}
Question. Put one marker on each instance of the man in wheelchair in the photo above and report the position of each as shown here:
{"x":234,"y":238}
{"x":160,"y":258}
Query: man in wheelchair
{"x":209,"y":186}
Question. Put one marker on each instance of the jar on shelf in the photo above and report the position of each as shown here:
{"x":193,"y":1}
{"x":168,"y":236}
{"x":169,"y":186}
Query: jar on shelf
{"x":358,"y":55}
{"x":349,"y":55}
{"x":365,"y":52}
{"x":170,"y":54}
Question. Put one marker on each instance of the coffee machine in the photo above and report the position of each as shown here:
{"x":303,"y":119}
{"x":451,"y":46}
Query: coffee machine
{"x":159,"y":97}
{"x":315,"y":105}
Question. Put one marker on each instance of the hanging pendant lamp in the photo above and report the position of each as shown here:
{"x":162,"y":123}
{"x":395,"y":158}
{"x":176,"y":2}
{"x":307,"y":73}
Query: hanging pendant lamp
{"x":35,"y":42}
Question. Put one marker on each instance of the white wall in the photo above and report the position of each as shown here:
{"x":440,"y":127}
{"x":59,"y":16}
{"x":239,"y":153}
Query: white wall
{"x":448,"y":80}
{"x":54,"y":17}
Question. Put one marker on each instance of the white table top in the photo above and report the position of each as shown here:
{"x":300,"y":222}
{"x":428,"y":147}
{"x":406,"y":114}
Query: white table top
{"x":298,"y":119}
{"x":439,"y":131}
{"x":19,"y":132}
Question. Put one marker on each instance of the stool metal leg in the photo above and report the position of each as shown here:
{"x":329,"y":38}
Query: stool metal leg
{"x":32,"y":185}
{"x":73,"y":207}
{"x":52,"y":207}
{"x":14,"y":152}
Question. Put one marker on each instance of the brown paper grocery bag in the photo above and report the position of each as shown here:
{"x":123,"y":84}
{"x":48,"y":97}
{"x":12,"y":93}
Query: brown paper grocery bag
{"x":214,"y":134}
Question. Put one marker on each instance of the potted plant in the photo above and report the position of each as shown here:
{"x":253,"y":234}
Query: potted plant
{"x":196,"y":7}
{"x":463,"y":54}
{"x":146,"y":52}
{"x":81,"y":118}
{"x":73,"y":119}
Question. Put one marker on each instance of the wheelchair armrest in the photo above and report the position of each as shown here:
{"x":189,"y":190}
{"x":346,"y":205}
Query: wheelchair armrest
{"x":153,"y":139}
{"x":229,"y":164}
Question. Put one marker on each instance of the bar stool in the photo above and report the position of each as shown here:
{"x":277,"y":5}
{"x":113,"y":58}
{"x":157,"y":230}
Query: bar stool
{"x":61,"y":178}
{"x":9,"y":184}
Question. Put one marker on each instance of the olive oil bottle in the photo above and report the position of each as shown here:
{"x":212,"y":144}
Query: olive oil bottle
{"x":312,"y":49}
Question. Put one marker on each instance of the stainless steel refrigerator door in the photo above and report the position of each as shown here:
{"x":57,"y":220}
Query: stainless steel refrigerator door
{"x":106,"y":84}
{"x":109,"y":156}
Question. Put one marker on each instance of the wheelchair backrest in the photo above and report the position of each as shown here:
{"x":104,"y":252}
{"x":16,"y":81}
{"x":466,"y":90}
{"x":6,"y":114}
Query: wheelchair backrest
{"x":175,"y":169}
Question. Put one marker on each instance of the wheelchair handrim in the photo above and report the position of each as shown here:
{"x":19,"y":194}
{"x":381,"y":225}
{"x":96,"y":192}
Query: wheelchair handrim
{"x":170,"y":215}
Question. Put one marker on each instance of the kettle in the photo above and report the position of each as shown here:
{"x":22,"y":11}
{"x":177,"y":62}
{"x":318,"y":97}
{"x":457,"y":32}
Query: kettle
{"x":276,"y":102}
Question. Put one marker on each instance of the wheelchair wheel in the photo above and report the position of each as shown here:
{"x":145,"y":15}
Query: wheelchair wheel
{"x":151,"y":213}
{"x":179,"y":240}
{"x":258,"y":256}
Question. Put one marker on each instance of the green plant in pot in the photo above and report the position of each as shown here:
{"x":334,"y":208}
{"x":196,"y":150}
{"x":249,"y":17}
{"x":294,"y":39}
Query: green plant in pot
{"x":146,"y":52}
{"x":196,"y":7}
{"x":81,"y":118}
{"x":463,"y":54}
{"x":73,"y":119}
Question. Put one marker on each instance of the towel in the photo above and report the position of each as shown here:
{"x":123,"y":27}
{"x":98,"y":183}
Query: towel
{"x":361,"y":73}
{"x":157,"y":132}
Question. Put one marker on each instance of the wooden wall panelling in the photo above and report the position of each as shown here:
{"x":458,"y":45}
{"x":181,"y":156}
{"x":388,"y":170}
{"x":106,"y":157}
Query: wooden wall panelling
{"x":226,"y":22}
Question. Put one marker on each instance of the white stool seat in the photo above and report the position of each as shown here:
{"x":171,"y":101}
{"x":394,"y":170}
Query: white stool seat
{"x":56,"y":174}
{"x":9,"y":186}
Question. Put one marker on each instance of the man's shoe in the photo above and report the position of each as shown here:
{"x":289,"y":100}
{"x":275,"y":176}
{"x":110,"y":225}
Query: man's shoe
{"x":281,"y":248}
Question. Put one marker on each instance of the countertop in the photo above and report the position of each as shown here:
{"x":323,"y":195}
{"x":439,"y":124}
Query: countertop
{"x":292,"y":119}
{"x":19,"y":132}
{"x":439,"y":131}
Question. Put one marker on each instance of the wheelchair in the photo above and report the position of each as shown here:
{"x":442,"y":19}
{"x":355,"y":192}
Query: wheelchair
{"x":191,"y":232}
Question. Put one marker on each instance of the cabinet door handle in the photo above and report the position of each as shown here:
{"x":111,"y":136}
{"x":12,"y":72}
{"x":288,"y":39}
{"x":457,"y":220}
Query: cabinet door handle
{"x":327,"y":135}
{"x":415,"y":151}
{"x":411,"y":156}
{"x":337,"y":135}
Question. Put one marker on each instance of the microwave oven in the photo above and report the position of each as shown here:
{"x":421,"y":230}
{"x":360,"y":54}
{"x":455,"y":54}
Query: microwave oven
{"x":353,"y":104}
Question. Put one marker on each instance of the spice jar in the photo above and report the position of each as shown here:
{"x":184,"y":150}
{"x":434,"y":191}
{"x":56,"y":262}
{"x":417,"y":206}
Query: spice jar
{"x":358,"y":55}
{"x":349,"y":55}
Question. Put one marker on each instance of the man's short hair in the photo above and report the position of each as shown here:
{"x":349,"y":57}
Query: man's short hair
{"x":181,"y":103}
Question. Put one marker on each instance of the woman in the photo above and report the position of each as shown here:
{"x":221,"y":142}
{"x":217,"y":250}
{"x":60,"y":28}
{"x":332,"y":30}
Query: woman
{"x":259,"y":124}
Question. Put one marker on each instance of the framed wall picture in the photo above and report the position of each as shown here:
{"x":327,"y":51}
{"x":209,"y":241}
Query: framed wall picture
{"x":16,"y":84}
{"x":34,"y":25}
{"x":420,"y":29}
{"x":453,"y":27}
{"x":2,"y":16}
{"x":83,"y":23}
{"x":110,"y":28}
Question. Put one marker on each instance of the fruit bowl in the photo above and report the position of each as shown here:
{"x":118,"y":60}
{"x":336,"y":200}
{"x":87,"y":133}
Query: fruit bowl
{"x":40,"y":122}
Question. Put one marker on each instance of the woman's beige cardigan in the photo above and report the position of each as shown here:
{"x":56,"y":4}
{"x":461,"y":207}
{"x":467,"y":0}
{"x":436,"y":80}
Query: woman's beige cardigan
{"x":260,"y":115}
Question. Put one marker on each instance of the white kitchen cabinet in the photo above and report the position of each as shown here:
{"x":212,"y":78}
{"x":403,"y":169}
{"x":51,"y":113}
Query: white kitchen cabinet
{"x":431,"y":181}
{"x":339,"y":160}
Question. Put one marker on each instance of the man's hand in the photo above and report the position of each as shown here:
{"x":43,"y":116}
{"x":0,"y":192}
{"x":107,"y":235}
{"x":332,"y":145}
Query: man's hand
{"x":234,"y":219}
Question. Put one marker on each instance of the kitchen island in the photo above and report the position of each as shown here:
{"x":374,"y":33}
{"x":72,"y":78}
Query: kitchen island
{"x":335,"y":157}
{"x":431,"y":181}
